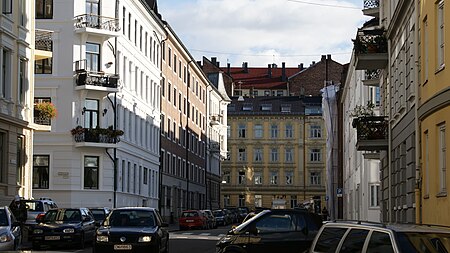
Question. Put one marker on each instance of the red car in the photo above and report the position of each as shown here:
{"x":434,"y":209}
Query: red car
{"x":192,"y":219}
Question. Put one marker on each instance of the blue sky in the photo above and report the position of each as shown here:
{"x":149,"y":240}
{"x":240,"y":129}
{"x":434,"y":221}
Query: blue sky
{"x":262,"y":32}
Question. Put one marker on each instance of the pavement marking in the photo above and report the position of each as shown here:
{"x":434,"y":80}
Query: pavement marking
{"x":205,"y":234}
{"x":221,"y":235}
{"x":187,"y":233}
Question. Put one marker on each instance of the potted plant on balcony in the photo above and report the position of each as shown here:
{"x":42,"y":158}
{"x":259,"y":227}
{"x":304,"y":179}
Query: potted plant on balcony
{"x":114,"y":134}
{"x":78,"y":133}
{"x":45,"y":111}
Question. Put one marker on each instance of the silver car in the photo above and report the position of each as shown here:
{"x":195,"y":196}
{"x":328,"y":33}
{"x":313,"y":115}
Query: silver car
{"x":10,"y":233}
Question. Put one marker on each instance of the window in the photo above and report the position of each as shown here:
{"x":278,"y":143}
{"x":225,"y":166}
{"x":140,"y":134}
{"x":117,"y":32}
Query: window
{"x":257,"y":178}
{"x":140,"y":37}
{"x":3,"y":146}
{"x":135,"y":32}
{"x":274,"y":155}
{"x":315,"y":131}
{"x":289,"y":177}
{"x":425,"y":47}
{"x":274,"y":131}
{"x":258,"y":200}
{"x":380,"y":242}
{"x":241,"y":200}
{"x":247,"y":107}
{"x":242,"y":155}
{"x":257,"y":155}
{"x":241,"y":177}
{"x":266,"y":107}
{"x":293,"y":201}
{"x":241,"y":130}
{"x":374,"y":189}
{"x":226,"y":177}
{"x":23,"y":13}
{"x":91,"y":167}
{"x":22,"y":80}
{"x":93,"y":57}
{"x":129,"y":26}
{"x":285,"y":108}
{"x":6,"y":74}
{"x":145,"y":175}
{"x":90,"y":111}
{"x":289,"y":131}
{"x":440,"y":33}
{"x":442,"y":160}
{"x":174,"y":63}
{"x":314,"y":155}
{"x":315,"y":178}
{"x":273,"y":177}
{"x":7,"y":7}
{"x":354,"y":241}
{"x":44,"y":42}
{"x":226,"y":200}
{"x":20,"y":159}
{"x":329,"y":239}
{"x":427,"y":165}
{"x":124,"y":12}
{"x":289,"y":156}
{"x":258,"y":131}
{"x":41,"y":167}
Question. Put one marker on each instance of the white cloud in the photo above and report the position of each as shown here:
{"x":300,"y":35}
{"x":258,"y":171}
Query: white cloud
{"x":264,"y":31}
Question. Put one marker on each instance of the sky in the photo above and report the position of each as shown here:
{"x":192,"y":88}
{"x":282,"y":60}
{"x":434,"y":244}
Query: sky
{"x":263,"y":32}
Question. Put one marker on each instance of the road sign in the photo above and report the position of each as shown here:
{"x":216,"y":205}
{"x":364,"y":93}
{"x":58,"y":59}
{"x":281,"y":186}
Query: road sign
{"x":339,"y":192}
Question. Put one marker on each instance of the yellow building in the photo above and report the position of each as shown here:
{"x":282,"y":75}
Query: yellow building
{"x":434,"y":113}
{"x":276,"y":153}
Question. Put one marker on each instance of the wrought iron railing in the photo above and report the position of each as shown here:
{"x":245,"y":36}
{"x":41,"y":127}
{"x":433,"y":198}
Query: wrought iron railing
{"x":98,"y":22}
{"x":372,"y":74}
{"x":43,"y":40}
{"x":40,"y":119}
{"x":371,"y":128}
{"x":96,"y":135}
{"x":370,"y":4}
{"x":95,"y":78}
{"x":368,"y":42}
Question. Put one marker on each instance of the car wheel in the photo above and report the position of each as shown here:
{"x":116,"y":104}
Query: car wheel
{"x":166,"y":249}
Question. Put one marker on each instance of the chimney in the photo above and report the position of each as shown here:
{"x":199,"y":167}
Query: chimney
{"x":274,"y":65}
{"x":269,"y":70}
{"x":324,"y":57}
{"x":313,"y":63}
{"x":283,"y":71}
{"x":328,"y":56}
{"x":245,"y":67}
{"x":300,"y":66}
{"x":228,"y":68}
{"x":218,"y":64}
{"x":214,"y":61}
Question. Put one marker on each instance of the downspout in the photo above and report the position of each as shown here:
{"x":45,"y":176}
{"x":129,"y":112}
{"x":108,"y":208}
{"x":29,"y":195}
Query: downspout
{"x":418,"y":190}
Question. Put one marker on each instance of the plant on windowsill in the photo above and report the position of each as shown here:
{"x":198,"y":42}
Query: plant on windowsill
{"x":46,"y":110}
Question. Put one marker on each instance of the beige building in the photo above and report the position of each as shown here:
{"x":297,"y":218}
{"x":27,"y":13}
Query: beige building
{"x":276,"y":148}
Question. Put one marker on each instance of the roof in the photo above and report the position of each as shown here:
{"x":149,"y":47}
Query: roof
{"x":397,"y":227}
{"x":260,"y":78}
{"x":282,"y":105}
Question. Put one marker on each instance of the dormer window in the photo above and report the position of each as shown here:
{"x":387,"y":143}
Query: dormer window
{"x":247,"y":107}
{"x":285,"y":108}
{"x":266,"y":107}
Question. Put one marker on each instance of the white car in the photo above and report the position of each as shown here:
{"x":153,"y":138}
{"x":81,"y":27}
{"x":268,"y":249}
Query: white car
{"x":10,"y":233}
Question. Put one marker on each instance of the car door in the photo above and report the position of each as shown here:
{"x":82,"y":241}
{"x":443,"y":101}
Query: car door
{"x":274,"y":232}
{"x":88,"y":224}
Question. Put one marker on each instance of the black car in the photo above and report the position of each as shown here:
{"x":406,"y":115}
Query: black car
{"x":136,"y":229}
{"x":276,"y":230}
{"x":59,"y":227}
{"x":99,"y":214}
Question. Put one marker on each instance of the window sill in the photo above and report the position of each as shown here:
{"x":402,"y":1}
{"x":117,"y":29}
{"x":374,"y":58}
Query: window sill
{"x":441,"y":195}
{"x":442,"y":67}
{"x":425,"y":83}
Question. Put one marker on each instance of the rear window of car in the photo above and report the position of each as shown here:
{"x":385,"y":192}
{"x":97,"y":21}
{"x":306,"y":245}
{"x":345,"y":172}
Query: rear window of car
{"x":329,"y":239}
{"x":189,"y":214}
{"x":423,"y":242}
{"x":98,"y":214}
{"x":34,"y":206}
{"x":354,"y":241}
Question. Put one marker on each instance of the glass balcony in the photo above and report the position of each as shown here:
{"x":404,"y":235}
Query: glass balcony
{"x":370,"y":50}
{"x":372,"y":133}
{"x":372,"y":8}
{"x":97,"y":25}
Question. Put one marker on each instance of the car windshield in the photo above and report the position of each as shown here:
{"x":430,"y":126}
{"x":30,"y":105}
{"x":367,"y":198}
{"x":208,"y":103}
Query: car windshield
{"x":99,"y":214}
{"x":244,"y":224}
{"x":218,"y":213}
{"x":131,"y":218}
{"x":3,"y":218}
{"x":34,"y":206}
{"x":64,"y":215}
{"x":424,"y":242}
{"x":189,"y":214}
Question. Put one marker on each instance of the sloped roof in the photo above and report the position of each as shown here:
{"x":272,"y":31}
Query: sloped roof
{"x":260,"y":78}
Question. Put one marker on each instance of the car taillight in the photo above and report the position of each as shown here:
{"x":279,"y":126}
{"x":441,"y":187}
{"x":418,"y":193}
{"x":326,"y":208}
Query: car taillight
{"x":40,"y":216}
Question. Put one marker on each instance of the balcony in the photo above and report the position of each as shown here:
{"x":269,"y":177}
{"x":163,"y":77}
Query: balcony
{"x":96,"y":137}
{"x":372,"y":133}
{"x":43,"y":44}
{"x":41,"y":122}
{"x":370,"y":50}
{"x":95,"y":80}
{"x":372,"y":77}
{"x":215,"y":120}
{"x":372,"y":8}
{"x":97,"y":25}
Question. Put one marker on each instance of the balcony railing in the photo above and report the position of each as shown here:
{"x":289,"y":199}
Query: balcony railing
{"x":372,"y":133}
{"x":371,"y":49}
{"x":370,"y":4}
{"x":43,"y":40}
{"x":372,"y":77}
{"x":96,"y":135}
{"x":41,"y":120}
{"x":97,"y":22}
{"x":94,"y":78}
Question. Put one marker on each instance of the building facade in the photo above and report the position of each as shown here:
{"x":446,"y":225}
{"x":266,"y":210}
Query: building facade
{"x":16,"y":98}
{"x":104,"y":78}
{"x":433,"y":114}
{"x":276,"y":148}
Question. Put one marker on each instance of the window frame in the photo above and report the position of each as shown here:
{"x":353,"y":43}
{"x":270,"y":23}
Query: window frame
{"x":94,"y":185}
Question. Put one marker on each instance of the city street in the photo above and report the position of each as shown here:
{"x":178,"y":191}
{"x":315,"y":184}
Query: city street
{"x":198,"y":241}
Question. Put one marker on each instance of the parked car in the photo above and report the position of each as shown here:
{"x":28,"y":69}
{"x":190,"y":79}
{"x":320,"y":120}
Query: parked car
{"x":280,"y":230}
{"x":10,"y":233}
{"x":136,"y":229}
{"x":376,"y":237}
{"x":242,"y":211}
{"x":232,"y":214}
{"x":192,"y":219}
{"x":221,"y":217}
{"x":100,"y":214}
{"x":212,"y":223}
{"x":35,"y":208}
{"x":71,"y":226}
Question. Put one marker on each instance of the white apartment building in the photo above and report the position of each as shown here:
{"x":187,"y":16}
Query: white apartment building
{"x":104,"y":78}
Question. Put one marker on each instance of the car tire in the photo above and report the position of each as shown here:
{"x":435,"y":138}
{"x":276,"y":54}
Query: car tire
{"x":166,"y":249}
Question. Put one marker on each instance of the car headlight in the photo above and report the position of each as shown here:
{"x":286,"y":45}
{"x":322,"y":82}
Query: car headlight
{"x":145,"y":239}
{"x":38,"y":231}
{"x":5,"y":237}
{"x":68,"y":230}
{"x":102,"y":238}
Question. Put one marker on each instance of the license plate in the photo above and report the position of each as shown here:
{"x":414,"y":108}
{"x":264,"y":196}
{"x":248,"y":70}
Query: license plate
{"x":122,"y":247}
{"x":52,"y":238}
{"x":189,"y":220}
